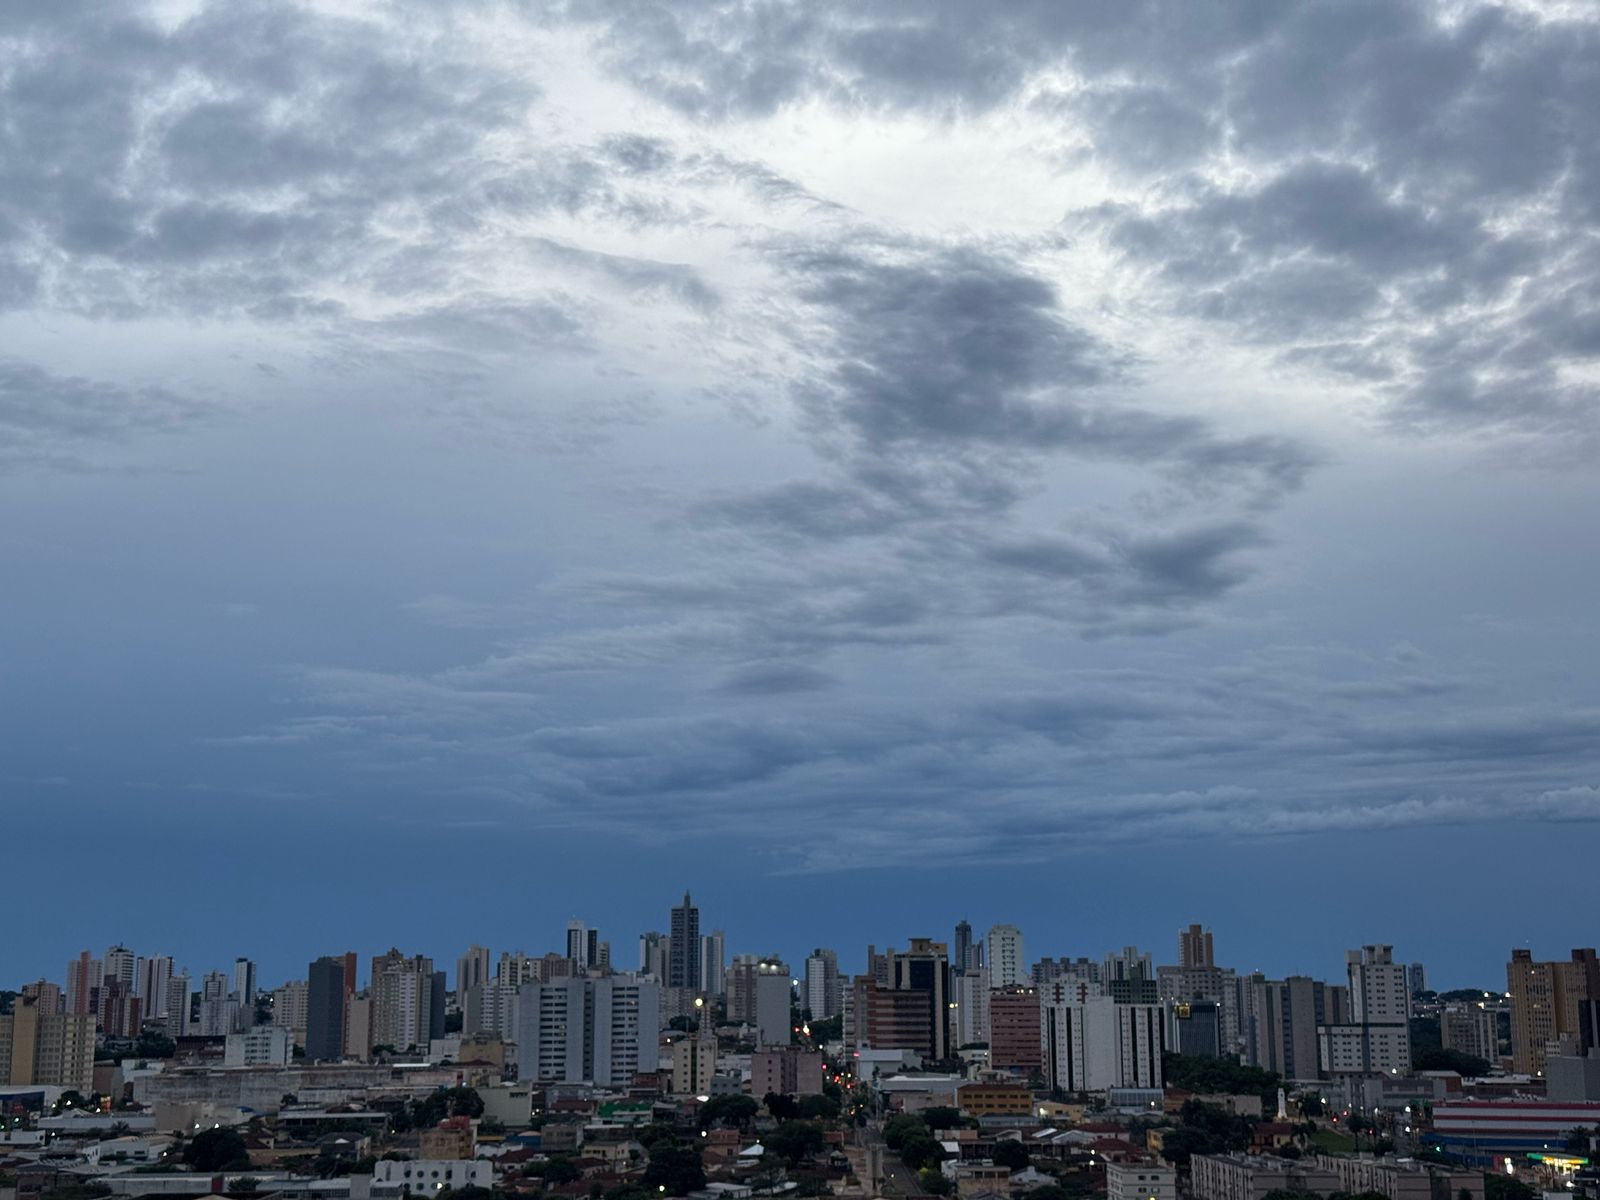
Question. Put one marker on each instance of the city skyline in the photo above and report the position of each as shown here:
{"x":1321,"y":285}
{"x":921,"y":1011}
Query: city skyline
{"x":1318,"y":961}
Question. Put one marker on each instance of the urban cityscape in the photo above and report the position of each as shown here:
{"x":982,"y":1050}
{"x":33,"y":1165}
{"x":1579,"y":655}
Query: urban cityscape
{"x":671,"y":1063}
{"x":789,"y":599}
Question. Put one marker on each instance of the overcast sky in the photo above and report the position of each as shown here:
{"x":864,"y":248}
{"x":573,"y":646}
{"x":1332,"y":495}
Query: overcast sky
{"x":1097,"y":466}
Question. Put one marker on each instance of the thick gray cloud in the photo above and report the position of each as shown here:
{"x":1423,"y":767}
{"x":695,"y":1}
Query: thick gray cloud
{"x":975,"y":427}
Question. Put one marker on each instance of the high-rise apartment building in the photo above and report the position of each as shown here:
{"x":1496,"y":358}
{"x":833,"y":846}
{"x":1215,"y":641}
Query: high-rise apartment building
{"x":653,"y":955}
{"x":1007,"y":966}
{"x":290,"y":1007}
{"x":971,"y":992}
{"x":325,"y":1010}
{"x":38,"y":1046}
{"x":1469,"y":1029}
{"x":713,"y":963}
{"x":472,"y":969}
{"x":179,"y":993}
{"x":1284,"y":1019}
{"x":683,"y":962}
{"x":1555,"y":1008}
{"x":1014,"y":1029}
{"x":1129,"y":977}
{"x":586,"y":1029}
{"x":404,"y":993}
{"x":219,"y":1014}
{"x":583,"y":946}
{"x":151,"y":976}
{"x":244,"y":983}
{"x":1194,"y":948}
{"x":961,"y":947}
{"x":1092,"y":1043}
{"x":1377,"y":1038}
{"x":694,"y":1062}
{"x":1216,"y":985}
{"x":912,"y":1008}
{"x":118,"y":963}
{"x":824,"y":987}
{"x":83,"y":984}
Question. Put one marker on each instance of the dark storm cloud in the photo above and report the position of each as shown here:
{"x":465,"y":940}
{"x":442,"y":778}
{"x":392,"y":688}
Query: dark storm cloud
{"x":945,"y":380}
{"x":1438,"y":133}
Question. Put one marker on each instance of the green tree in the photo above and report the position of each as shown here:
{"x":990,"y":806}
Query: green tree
{"x":1438,"y":1059}
{"x":819,"y":1108}
{"x":795,"y":1141}
{"x":920,"y":1149}
{"x":942,"y":1116}
{"x":1179,"y":1145}
{"x":784,"y":1108}
{"x":1214,"y":1076}
{"x":154,"y":1045}
{"x":675,"y":1168}
{"x":729,"y":1110}
{"x":217,"y":1150}
{"x":829,"y":1029}
{"x":560,"y":1169}
{"x":934,"y":1182}
{"x":1012,"y":1155}
{"x":901,"y":1126}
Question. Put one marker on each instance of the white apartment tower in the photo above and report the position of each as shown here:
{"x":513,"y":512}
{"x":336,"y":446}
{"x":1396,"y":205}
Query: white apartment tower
{"x":587,"y":1029}
{"x":1092,"y":1043}
{"x":1377,"y":1038}
{"x":1007,"y":967}
{"x":824,"y":994}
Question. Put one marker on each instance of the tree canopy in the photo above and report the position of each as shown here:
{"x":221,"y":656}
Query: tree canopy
{"x":217,"y":1150}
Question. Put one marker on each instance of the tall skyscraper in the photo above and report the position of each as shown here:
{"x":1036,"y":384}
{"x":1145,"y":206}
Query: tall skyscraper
{"x":971,"y":999}
{"x":1194,"y":948}
{"x":1007,"y":965}
{"x":403,"y":994}
{"x":1417,"y":978}
{"x":472,"y":969}
{"x":1555,"y":1008}
{"x":244,"y":982}
{"x":179,"y":992}
{"x":1286,"y":1017}
{"x":83,"y":983}
{"x":1014,"y":1029}
{"x":1377,"y":1038}
{"x":824,"y":988}
{"x":150,"y":984}
{"x":683,"y":964}
{"x":713,"y":964}
{"x":961,"y":948}
{"x":583,"y":946}
{"x":923,"y":968}
{"x":325,"y":1005}
{"x":118,"y":963}
{"x":1129,"y":978}
{"x":653,"y":955}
